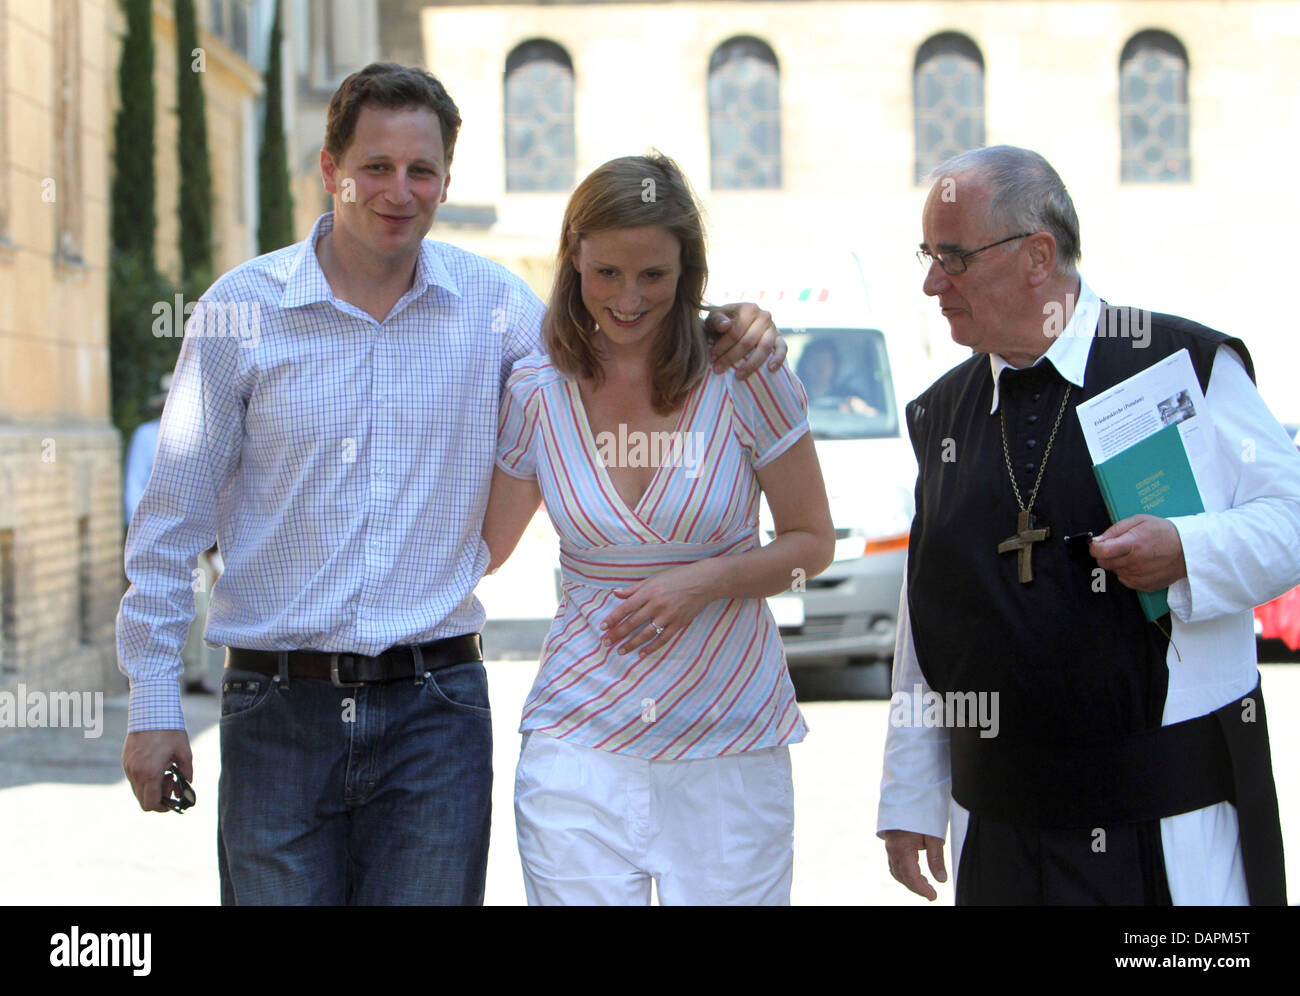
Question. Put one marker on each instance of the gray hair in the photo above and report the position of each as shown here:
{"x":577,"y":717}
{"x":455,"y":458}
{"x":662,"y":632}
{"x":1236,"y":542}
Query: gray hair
{"x":1027,"y":196}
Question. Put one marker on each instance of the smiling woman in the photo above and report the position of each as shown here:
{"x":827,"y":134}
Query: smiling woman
{"x":632,"y":241}
{"x":663,"y":650}
{"x":627,"y":299}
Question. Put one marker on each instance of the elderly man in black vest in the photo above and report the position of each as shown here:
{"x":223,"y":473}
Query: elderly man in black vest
{"x":1129,"y":761}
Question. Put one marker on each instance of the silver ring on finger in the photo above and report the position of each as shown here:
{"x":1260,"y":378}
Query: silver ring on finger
{"x":659,"y":630}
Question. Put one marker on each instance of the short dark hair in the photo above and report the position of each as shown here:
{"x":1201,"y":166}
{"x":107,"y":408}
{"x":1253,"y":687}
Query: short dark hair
{"x":386,"y":84}
{"x":627,"y":193}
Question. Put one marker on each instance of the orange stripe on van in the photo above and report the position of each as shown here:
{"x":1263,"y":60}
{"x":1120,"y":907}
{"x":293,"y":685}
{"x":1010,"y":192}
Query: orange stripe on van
{"x":886,"y":544}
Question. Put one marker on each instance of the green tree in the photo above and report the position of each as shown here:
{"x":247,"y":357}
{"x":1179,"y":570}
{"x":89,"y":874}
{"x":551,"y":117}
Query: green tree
{"x":133,"y":134}
{"x":275,"y":207}
{"x":195,"y":207}
{"x":137,"y":359}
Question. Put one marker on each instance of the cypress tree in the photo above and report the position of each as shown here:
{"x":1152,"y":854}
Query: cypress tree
{"x":133,"y":133}
{"x":137,"y":359}
{"x":275,"y":202}
{"x":195,"y":207}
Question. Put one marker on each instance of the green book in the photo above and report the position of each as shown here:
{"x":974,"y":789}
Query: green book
{"x":1152,"y":477}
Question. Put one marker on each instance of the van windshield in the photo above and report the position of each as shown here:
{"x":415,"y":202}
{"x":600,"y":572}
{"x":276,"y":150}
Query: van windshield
{"x":846,"y":375}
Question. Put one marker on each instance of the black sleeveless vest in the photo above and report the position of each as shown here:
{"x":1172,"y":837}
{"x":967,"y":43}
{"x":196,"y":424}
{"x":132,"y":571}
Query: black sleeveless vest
{"x":1069,"y":653}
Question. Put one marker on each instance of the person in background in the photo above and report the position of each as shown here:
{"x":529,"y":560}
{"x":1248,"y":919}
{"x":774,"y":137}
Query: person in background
{"x":140,"y":453}
{"x":817,"y":369}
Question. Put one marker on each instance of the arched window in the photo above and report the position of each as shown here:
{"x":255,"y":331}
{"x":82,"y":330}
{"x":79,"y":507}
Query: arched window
{"x":1154,"y":128}
{"x":947,"y":100}
{"x":744,"y":116}
{"x":539,"y":118}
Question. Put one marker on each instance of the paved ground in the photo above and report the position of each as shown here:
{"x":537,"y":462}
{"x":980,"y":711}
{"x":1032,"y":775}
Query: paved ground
{"x":72,"y":833}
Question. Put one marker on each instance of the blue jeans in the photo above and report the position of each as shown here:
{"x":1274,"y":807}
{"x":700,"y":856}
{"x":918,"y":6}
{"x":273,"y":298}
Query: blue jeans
{"x":376,"y":795}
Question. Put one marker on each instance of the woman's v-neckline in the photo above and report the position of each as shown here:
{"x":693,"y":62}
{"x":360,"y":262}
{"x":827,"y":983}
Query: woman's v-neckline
{"x":593,"y":451}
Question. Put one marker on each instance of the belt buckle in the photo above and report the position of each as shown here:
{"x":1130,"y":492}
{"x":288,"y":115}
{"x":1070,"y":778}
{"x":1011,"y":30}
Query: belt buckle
{"x":334,"y":673}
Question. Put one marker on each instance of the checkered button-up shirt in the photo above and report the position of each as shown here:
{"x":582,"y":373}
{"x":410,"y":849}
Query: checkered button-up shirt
{"x":342,"y":463}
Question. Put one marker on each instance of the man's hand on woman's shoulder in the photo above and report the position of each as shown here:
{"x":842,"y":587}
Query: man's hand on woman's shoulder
{"x":748,"y":337}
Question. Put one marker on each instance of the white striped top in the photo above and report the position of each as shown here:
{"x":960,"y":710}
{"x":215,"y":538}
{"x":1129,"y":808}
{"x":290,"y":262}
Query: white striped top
{"x":721,"y":686}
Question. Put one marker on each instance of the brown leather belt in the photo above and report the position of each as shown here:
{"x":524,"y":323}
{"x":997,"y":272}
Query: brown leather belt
{"x":350,"y":670}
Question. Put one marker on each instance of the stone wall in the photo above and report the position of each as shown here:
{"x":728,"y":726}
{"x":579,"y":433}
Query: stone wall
{"x":60,"y":556}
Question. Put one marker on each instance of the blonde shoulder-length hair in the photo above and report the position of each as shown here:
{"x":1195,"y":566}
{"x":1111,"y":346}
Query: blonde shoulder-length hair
{"x":626,"y":193}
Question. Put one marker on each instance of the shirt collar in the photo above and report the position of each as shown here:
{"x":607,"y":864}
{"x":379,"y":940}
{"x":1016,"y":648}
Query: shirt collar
{"x":1069,"y":353}
{"x":307,"y":283}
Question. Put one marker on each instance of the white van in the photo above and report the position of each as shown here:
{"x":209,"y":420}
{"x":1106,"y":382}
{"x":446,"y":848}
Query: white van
{"x":849,"y":363}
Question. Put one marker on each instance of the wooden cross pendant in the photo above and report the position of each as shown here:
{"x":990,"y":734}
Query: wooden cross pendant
{"x":1022,"y":544}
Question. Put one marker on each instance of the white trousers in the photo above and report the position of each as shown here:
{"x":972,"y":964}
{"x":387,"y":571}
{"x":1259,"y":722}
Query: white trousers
{"x":596,"y":827}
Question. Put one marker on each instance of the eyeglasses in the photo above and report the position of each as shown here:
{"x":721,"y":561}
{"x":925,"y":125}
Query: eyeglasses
{"x":954,"y":263}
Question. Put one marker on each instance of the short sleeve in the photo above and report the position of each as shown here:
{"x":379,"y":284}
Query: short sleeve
{"x":517,"y":420}
{"x":769,"y":412}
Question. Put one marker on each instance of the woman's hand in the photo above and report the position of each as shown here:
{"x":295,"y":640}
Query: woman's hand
{"x":804,"y":546}
{"x":660,"y":607}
